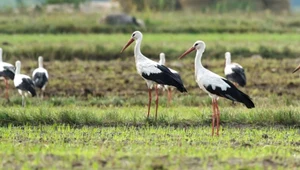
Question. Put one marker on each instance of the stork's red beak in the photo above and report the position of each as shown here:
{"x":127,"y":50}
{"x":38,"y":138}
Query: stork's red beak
{"x":128,"y":43}
{"x":187,"y":52}
{"x":296,"y":69}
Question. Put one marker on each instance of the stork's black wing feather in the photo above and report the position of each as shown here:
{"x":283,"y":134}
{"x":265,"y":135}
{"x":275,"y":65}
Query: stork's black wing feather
{"x":8,"y":72}
{"x":166,"y":77}
{"x":231,"y":93}
{"x":27,"y":85}
{"x":237,"y":76}
{"x":40,"y":79}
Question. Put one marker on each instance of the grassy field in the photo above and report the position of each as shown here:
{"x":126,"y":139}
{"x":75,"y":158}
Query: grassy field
{"x":178,"y":116}
{"x":147,"y":147}
{"x":98,"y":121}
{"x":93,"y":115}
{"x":108,"y":47}
{"x":116,"y":81}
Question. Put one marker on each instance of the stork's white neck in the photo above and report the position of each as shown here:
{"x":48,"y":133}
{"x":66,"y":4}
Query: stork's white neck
{"x":1,"y":55}
{"x":137,"y":50}
{"x":40,"y":62}
{"x":162,"y":59}
{"x":228,"y":60}
{"x":18,"y":67}
{"x":198,"y":64}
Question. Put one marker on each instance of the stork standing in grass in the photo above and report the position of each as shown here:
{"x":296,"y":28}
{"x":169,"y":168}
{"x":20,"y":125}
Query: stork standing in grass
{"x":215,"y":85}
{"x":234,"y":72}
{"x":7,"y":71}
{"x":40,"y":77}
{"x":162,"y":61}
{"x":151,"y":71}
{"x":23,"y":83}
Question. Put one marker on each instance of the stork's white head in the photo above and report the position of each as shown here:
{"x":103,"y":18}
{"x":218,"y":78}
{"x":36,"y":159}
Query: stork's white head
{"x":227,"y":58}
{"x":40,"y":60}
{"x":136,"y":35}
{"x":18,"y":67}
{"x":18,"y":63}
{"x":162,"y":59}
{"x":198,"y":45}
{"x":227,"y":55}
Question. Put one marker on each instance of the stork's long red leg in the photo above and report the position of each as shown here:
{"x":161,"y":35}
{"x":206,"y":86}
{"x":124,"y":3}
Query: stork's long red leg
{"x":213,"y":117}
{"x":218,"y":117}
{"x":6,"y":92}
{"x":149,"y":103}
{"x":169,"y":96}
{"x":156,"y":101}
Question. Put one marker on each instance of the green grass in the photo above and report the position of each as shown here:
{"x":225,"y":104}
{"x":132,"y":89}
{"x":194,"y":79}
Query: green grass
{"x":65,"y":147}
{"x":108,"y":47}
{"x":158,"y":22}
{"x":136,"y":115}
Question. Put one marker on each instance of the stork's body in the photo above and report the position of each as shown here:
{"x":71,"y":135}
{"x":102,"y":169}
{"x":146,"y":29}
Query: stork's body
{"x":151,"y":71}
{"x":23,"y":83}
{"x":7,"y":71}
{"x":215,"y":85}
{"x":234,"y":72}
{"x":40,"y":76}
{"x":162,"y":61}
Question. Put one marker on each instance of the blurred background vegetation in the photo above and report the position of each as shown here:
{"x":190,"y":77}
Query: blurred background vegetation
{"x":64,"y":31}
{"x":159,"y":5}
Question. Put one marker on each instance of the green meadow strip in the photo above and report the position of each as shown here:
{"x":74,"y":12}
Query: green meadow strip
{"x":135,"y":116}
{"x":108,"y":47}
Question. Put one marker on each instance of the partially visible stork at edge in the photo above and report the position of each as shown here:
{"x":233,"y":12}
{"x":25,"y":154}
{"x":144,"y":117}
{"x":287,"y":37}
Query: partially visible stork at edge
{"x":7,"y":71}
{"x":297,"y":68}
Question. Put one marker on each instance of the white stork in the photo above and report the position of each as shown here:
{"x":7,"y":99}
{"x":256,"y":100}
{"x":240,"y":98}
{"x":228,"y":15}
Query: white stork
{"x":40,"y":76}
{"x":162,"y":61}
{"x":297,"y":68}
{"x":23,"y":83}
{"x":215,"y":85}
{"x":234,"y":72}
{"x":151,"y":71}
{"x":7,"y":71}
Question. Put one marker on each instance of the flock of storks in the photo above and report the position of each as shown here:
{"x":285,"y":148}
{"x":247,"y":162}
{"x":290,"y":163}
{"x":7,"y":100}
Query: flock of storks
{"x":156,"y":75}
{"x":23,"y":83}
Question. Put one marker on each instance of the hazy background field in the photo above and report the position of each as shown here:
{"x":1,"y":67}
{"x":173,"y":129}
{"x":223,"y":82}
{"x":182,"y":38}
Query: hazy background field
{"x":93,"y":114}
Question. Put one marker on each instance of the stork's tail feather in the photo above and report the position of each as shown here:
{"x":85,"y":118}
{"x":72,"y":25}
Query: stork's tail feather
{"x":32,"y":91}
{"x":246,"y":100}
{"x":181,"y":89}
{"x":236,"y":95}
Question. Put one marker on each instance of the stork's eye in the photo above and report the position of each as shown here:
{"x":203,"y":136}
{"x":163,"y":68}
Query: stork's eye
{"x":133,"y":35}
{"x":196,"y":44}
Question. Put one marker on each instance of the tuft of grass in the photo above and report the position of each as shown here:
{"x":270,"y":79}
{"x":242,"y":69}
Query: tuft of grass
{"x":133,"y":116}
